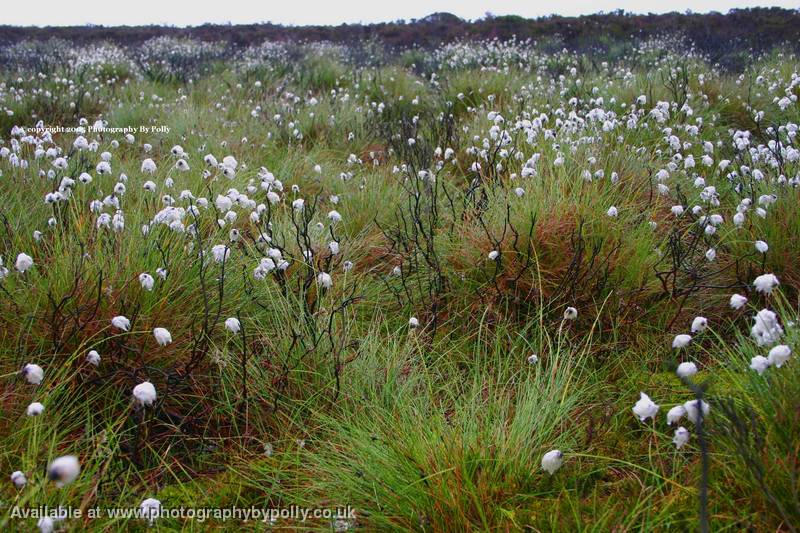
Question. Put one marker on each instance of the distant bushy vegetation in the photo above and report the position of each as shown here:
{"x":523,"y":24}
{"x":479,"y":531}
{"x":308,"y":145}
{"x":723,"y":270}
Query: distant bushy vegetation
{"x":727,"y":39}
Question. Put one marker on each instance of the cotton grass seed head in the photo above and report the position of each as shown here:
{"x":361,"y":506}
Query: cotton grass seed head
{"x":93,"y":357}
{"x":163,"y":336}
{"x":675,"y":414}
{"x":681,"y":341}
{"x":150,"y":509}
{"x":23,"y":263}
{"x":19,"y":480}
{"x":779,"y":355}
{"x":121,"y":322}
{"x":760,"y":364}
{"x":64,"y":470}
{"x":694,"y":408}
{"x":765,"y":283}
{"x":645,"y":408}
{"x":35,"y":409}
{"x":33,"y":373}
{"x":144,"y":394}
{"x":681,"y":437}
{"x":686,"y":370}
{"x":552,"y":461}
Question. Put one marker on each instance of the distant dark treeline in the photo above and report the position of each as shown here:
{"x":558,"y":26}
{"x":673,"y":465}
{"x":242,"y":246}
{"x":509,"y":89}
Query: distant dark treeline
{"x":716,"y":34}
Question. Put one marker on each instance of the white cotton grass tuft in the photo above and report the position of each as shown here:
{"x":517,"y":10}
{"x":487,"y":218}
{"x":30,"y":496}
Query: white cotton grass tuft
{"x":737,"y":301}
{"x":35,"y":409}
{"x":93,"y":358}
{"x":46,"y":524}
{"x":686,"y":370}
{"x":681,"y":341}
{"x":413,"y":322}
{"x":552,"y":461}
{"x":675,"y":414}
{"x":570,"y":313}
{"x":147,"y":282}
{"x":759,"y":363}
{"x":145,"y":394}
{"x":779,"y":355}
{"x":121,"y":322}
{"x":150,"y":509}
{"x":681,"y":437}
{"x":33,"y":374}
{"x":699,"y":324}
{"x":765,"y":283}
{"x":324,"y":280}
{"x":64,"y":470}
{"x":23,"y":263}
{"x":19,"y":480}
{"x":493,"y":255}
{"x":533,"y":359}
{"x":693,"y":408}
{"x":233,"y":325}
{"x":762,"y":247}
{"x":766,"y":330}
{"x":220,"y":253}
{"x":163,"y":336}
{"x":645,"y":408}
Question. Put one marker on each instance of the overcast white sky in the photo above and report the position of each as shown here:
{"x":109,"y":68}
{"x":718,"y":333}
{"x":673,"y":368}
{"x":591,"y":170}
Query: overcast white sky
{"x":134,"y":12}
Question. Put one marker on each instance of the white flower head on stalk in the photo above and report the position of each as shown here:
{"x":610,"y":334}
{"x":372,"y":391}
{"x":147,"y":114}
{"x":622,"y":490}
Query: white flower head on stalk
{"x":675,"y":414}
{"x":759,"y":363}
{"x":93,"y":358}
{"x":33,"y":374}
{"x":681,"y":341}
{"x":738,"y":301}
{"x":686,"y":370}
{"x":681,"y":437}
{"x":147,"y":281}
{"x":148,"y":166}
{"x":324,"y":280}
{"x":19,"y":480}
{"x":693,"y":409}
{"x":150,"y":509}
{"x":64,"y":470}
{"x":699,"y":324}
{"x":233,"y":325}
{"x":779,"y":355}
{"x":645,"y":408}
{"x":220,"y":252}
{"x":121,"y":322}
{"x":552,"y":461}
{"x":145,"y":394}
{"x":23,"y":263}
{"x":766,"y":330}
{"x":163,"y":336}
{"x":765,"y":283}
